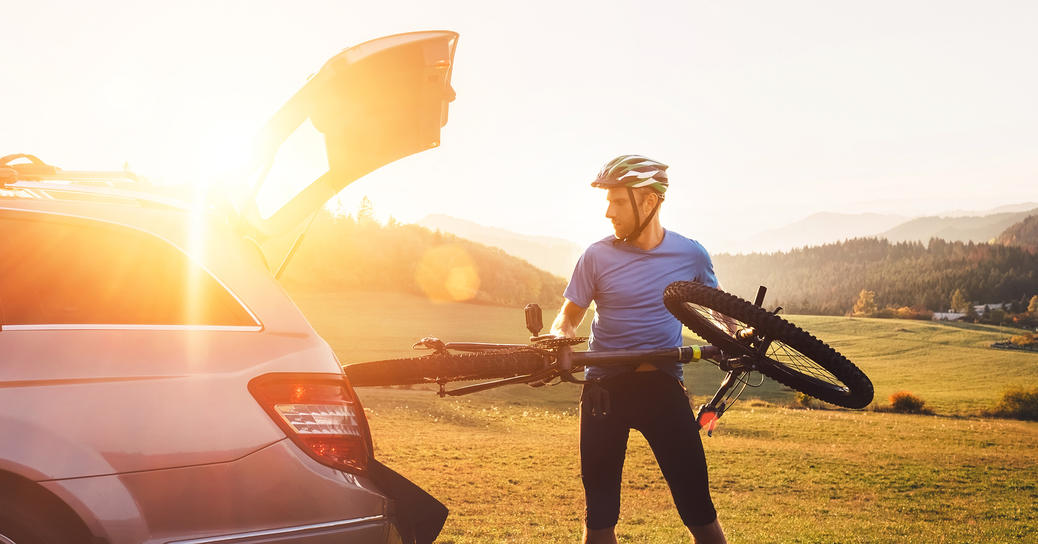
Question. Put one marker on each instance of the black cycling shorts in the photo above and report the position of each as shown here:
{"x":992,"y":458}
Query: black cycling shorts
{"x":657,"y":405}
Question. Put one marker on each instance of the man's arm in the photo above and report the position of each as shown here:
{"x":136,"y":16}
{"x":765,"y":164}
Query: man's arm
{"x":569,"y":318}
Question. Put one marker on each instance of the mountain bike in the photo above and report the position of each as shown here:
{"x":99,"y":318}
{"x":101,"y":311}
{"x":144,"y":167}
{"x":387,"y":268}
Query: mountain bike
{"x":744,"y":338}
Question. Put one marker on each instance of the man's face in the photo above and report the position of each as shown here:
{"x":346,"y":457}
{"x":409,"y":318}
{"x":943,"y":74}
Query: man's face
{"x":621,"y":213}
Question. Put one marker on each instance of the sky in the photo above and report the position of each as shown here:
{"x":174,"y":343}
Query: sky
{"x":765,"y":111}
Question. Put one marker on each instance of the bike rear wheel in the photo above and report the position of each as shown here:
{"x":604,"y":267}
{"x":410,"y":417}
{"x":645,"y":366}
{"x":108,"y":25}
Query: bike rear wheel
{"x":445,"y":367}
{"x":792,"y":357}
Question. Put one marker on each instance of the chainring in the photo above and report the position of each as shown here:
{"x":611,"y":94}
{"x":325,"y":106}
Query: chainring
{"x":557,"y":342}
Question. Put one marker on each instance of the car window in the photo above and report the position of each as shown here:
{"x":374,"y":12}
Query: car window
{"x":60,"y":270}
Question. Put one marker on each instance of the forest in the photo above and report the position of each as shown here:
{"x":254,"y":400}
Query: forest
{"x":904,"y":278}
{"x":829,"y":279}
{"x":346,"y":253}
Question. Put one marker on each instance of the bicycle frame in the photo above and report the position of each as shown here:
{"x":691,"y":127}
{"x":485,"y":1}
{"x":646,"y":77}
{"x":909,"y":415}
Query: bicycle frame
{"x":567,"y":361}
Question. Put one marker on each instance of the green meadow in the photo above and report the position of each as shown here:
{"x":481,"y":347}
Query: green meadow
{"x":505,"y":461}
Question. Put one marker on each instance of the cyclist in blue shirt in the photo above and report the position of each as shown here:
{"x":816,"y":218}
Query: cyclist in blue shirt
{"x":625,"y":274}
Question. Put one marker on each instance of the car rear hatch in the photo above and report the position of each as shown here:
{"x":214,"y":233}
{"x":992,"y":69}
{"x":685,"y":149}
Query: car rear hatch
{"x":368,"y":106}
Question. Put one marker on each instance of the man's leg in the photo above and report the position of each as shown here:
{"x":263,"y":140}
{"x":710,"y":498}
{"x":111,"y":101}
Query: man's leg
{"x":603,"y":445}
{"x":710,"y":533}
{"x":600,"y":536}
{"x":671,"y":430}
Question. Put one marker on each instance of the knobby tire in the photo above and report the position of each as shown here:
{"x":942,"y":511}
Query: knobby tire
{"x":437,"y":367}
{"x":795,"y":358}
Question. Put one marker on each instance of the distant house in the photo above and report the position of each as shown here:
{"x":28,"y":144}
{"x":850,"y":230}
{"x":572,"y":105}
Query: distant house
{"x":982,"y":308}
{"x":948,"y":316}
{"x":979,"y":309}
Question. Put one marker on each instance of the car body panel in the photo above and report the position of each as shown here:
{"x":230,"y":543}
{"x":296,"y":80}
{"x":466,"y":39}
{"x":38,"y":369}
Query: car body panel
{"x":276,"y":483}
{"x":162,"y":417}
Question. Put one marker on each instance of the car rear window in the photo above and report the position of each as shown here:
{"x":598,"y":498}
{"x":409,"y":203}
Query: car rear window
{"x":57,"y":270}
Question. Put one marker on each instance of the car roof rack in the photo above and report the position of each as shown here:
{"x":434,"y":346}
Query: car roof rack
{"x":37,"y":170}
{"x":37,"y":176}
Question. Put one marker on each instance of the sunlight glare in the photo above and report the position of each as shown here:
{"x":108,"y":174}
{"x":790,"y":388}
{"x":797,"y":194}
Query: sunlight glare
{"x":299,"y":161}
{"x":224,"y":154}
{"x":447,"y":273}
{"x":196,"y":250}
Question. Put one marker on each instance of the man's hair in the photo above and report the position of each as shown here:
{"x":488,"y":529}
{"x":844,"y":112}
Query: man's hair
{"x":643,"y":192}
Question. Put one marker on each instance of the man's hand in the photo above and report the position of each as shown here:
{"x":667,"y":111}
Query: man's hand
{"x":565,"y":326}
{"x":569,"y":318}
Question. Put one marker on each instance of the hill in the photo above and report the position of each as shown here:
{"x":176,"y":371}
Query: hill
{"x":949,"y":365}
{"x":955,"y":229}
{"x":1018,"y":207}
{"x":494,"y":454}
{"x":555,"y":255}
{"x":342,"y":253}
{"x":827,"y":279}
{"x":817,"y":229}
{"x":1023,"y":234}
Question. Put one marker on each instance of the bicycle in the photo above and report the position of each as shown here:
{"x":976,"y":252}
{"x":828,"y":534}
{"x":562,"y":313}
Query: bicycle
{"x":744,"y":337}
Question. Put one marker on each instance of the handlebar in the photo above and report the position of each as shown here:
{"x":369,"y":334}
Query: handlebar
{"x":683,"y":354}
{"x":567,"y":360}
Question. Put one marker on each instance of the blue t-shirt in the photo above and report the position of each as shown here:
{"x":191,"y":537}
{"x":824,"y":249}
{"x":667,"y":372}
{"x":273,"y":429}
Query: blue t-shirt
{"x":627,"y":285}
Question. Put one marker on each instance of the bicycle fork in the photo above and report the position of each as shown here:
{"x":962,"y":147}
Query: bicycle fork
{"x":710,"y":412}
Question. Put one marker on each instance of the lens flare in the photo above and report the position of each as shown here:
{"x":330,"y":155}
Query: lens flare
{"x":447,"y":273}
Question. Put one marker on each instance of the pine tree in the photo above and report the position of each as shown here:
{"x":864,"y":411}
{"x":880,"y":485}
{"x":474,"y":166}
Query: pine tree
{"x":366,"y":213}
{"x":971,"y":314}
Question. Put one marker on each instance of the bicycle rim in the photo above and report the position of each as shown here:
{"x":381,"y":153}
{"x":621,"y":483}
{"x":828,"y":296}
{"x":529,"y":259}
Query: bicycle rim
{"x":783,"y":357}
{"x":793,"y":357}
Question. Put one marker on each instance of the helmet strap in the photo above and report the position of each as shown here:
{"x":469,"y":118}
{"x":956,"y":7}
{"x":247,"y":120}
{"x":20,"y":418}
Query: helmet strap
{"x":637,"y":220}
{"x":630,"y":238}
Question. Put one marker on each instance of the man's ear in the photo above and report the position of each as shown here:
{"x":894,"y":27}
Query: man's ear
{"x":649,"y":200}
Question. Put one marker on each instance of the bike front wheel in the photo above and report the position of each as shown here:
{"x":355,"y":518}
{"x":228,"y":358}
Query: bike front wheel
{"x":446,"y":368}
{"x":788,"y":354}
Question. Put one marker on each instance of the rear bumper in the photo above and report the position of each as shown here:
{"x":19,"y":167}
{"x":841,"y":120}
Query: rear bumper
{"x":371,"y":529}
{"x":277,"y":494}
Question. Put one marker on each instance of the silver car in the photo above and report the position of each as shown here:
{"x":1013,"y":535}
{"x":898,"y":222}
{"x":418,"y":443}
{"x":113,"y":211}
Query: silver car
{"x":157,"y":385}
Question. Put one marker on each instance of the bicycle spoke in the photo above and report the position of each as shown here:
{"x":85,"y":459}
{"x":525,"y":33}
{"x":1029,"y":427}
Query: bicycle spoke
{"x":723,"y":323}
{"x":793,"y":359}
{"x":778,"y":351}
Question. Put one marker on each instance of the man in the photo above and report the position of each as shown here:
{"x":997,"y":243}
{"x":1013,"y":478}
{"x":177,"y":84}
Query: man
{"x":625,"y":275}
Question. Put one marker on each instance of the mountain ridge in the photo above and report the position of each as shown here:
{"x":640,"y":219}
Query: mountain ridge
{"x":984,"y":228}
{"x":554,"y":255}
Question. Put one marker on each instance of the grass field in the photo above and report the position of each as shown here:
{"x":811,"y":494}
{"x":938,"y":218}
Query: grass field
{"x":505,"y":461}
{"x":948,"y":365}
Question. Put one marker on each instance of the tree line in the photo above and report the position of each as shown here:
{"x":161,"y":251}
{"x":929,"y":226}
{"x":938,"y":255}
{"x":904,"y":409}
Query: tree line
{"x":358,"y":253}
{"x":829,"y":279}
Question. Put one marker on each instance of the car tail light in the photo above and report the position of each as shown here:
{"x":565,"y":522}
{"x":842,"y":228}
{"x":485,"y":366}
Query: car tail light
{"x":320,"y":413}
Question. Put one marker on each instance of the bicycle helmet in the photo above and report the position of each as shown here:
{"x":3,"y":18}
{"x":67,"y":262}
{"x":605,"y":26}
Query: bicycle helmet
{"x":633,"y":171}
